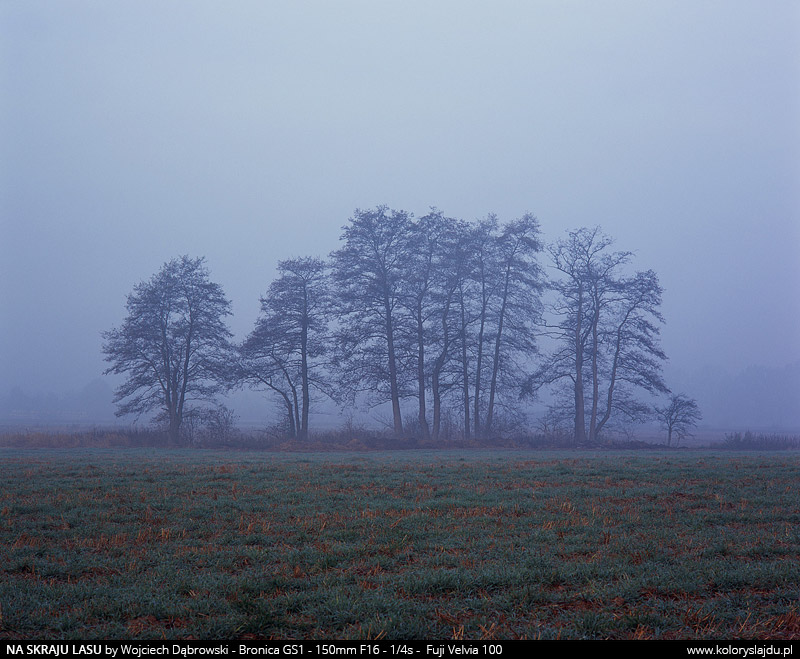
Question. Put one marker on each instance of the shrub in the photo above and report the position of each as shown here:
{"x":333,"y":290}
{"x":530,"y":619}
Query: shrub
{"x":760,"y":441}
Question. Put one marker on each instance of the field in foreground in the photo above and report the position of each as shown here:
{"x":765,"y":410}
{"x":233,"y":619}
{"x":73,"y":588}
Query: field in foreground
{"x":193,"y":544}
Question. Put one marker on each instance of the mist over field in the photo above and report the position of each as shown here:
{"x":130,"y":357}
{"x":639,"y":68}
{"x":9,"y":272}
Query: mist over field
{"x":134,"y":133}
{"x":395,"y":321}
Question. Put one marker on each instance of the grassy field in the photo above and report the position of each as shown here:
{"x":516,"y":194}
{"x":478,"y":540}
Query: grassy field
{"x":498,"y":545}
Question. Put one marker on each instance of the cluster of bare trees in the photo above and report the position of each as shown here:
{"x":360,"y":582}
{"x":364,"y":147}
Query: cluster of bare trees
{"x":439,"y":319}
{"x":436,"y":310}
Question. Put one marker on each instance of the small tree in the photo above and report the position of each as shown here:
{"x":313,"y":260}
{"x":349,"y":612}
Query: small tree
{"x":220,"y":425}
{"x":209,"y":425}
{"x":173,"y":346}
{"x":679,"y":415}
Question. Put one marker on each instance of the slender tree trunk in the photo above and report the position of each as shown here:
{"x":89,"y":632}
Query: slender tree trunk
{"x":290,"y":406}
{"x":437,"y":406}
{"x":173,"y":412}
{"x":290,"y":416}
{"x":496,"y":361}
{"x":294,"y":402}
{"x":304,"y":368}
{"x":580,"y":418}
{"x":580,"y":423}
{"x":437,"y":370}
{"x":476,"y":415}
{"x":612,"y":382}
{"x":595,"y":383}
{"x":169,"y":386}
{"x":465,"y":368}
{"x":184,"y":377}
{"x":423,"y":414}
{"x":296,"y":406}
{"x":393,"y":386}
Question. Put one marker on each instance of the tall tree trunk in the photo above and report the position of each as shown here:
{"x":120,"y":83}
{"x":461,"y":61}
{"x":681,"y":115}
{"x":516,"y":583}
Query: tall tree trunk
{"x":580,"y":421}
{"x":304,"y":368}
{"x":394,"y":390}
{"x":437,"y":406}
{"x":465,"y":368}
{"x":612,"y":381}
{"x":290,"y":416}
{"x":184,"y":376}
{"x":580,"y":418}
{"x":437,"y":370}
{"x":173,"y":411}
{"x":496,"y":361}
{"x":294,"y":402}
{"x":296,"y":405}
{"x":423,"y":414}
{"x":476,"y":415}
{"x":174,"y":428}
{"x":595,"y":382}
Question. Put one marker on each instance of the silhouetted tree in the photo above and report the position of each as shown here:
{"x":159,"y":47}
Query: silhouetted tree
{"x":421,"y":250}
{"x":679,"y":416}
{"x":632,"y":354}
{"x":290,"y":339}
{"x":173,"y":346}
{"x":368,"y":275}
{"x":433,"y":266}
{"x":516,"y":309}
{"x":425,"y":305}
{"x":484,"y":243}
{"x":502,"y":305}
{"x":468,"y":252}
{"x":265,"y":361}
{"x":606,"y":331}
{"x":450,"y":267}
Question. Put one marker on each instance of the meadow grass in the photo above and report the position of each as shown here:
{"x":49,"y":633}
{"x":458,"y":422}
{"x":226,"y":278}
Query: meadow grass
{"x":151,"y":544}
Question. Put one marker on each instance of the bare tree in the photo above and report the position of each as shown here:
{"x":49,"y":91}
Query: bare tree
{"x":173,"y":346}
{"x":678,"y":416}
{"x":517,"y":308}
{"x":421,"y":251}
{"x":212,"y":425}
{"x":631,"y":350}
{"x":484,"y":237}
{"x":284,"y":351}
{"x":367,"y":272}
{"x":468,"y":300}
{"x":264,"y":363}
{"x":606,"y":327}
{"x":468,"y":252}
{"x":451,"y":267}
{"x":436,"y":265}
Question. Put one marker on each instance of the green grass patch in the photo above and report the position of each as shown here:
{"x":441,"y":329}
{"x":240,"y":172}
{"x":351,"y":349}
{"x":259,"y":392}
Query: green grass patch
{"x":154,"y":544}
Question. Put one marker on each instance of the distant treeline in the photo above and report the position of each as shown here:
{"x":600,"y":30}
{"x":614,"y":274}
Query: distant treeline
{"x":449,"y":323}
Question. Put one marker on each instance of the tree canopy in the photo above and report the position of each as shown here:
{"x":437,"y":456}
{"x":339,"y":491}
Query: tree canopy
{"x":173,"y":346}
{"x":446,"y":315}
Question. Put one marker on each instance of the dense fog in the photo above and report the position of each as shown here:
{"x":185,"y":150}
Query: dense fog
{"x":134,"y":133}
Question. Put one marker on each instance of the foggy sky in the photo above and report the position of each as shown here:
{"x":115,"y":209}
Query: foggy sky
{"x":248,"y":132}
